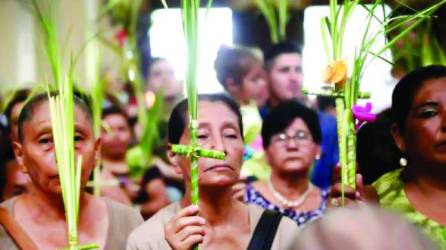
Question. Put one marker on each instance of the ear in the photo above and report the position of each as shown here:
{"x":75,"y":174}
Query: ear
{"x":18,"y":152}
{"x":174,"y":160}
{"x":398,"y":138}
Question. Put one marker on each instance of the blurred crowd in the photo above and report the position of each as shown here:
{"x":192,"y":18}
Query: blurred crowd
{"x":282,"y":147}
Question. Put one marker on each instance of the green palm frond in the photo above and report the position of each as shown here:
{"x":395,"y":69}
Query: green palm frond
{"x":62,"y":120}
{"x":333,"y":28}
{"x":276,"y":15}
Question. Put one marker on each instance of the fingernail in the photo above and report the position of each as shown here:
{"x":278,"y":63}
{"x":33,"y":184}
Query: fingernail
{"x":202,"y":221}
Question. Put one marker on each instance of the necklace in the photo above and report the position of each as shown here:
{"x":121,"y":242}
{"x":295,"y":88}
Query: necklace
{"x":290,"y":203}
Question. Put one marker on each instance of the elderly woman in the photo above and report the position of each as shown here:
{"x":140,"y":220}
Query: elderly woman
{"x":418,"y":188}
{"x":291,"y":138}
{"x":221,"y":221}
{"x":40,"y":214}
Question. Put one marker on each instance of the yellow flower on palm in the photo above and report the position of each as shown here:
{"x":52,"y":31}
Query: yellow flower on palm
{"x":335,"y":73}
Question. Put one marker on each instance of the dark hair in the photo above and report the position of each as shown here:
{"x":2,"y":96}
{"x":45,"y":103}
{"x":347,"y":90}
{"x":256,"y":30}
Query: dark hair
{"x":376,"y":151}
{"x":280,"y":117}
{"x":152,"y":61}
{"x":116,"y":110}
{"x":18,"y":97}
{"x":233,"y":63}
{"x":27,"y":112}
{"x":3,"y":179}
{"x":6,"y":150}
{"x":278,"y":49}
{"x":325,"y":102}
{"x":406,"y":89}
{"x":178,"y":118}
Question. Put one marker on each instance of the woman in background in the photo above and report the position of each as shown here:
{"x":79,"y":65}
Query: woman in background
{"x":292,"y":141}
{"x":115,"y":142}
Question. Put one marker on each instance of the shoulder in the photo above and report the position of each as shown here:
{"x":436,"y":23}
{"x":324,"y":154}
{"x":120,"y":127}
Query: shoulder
{"x":255,"y":212}
{"x":150,"y":234}
{"x":287,"y":230}
{"x":122,"y":220}
{"x":123,"y":212}
{"x":8,"y":204}
{"x":287,"y":234}
{"x":5,"y":239}
{"x":389,"y":185}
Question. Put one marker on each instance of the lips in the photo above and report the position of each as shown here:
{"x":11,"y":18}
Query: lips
{"x":117,"y":144}
{"x":294,"y":87}
{"x":293,"y":158}
{"x":441,"y":146}
{"x":220,"y":167}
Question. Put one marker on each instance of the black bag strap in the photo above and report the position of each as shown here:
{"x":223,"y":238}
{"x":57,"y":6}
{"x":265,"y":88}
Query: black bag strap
{"x":265,"y":231}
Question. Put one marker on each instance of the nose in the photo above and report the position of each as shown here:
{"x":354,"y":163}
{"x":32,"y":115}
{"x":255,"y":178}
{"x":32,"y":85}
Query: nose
{"x":52,"y":162}
{"x":217,"y":143}
{"x":291,"y":144}
{"x":295,"y":76}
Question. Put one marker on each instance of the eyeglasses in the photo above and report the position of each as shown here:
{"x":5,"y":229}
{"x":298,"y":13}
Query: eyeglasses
{"x":300,"y":137}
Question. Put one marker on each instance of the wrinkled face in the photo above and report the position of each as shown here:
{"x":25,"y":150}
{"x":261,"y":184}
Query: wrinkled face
{"x":162,"y":76}
{"x":254,"y":85}
{"x":424,"y":137}
{"x":36,"y":152}
{"x":293,"y":150}
{"x":116,"y":141}
{"x":286,"y":77}
{"x":218,"y":130}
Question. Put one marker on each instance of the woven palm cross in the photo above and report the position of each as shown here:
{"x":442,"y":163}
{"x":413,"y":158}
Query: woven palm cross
{"x":346,"y":130}
{"x":83,"y":247}
{"x":194,"y":152}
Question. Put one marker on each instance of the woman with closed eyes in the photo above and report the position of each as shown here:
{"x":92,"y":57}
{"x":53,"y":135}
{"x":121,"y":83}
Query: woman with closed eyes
{"x":221,"y":221}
